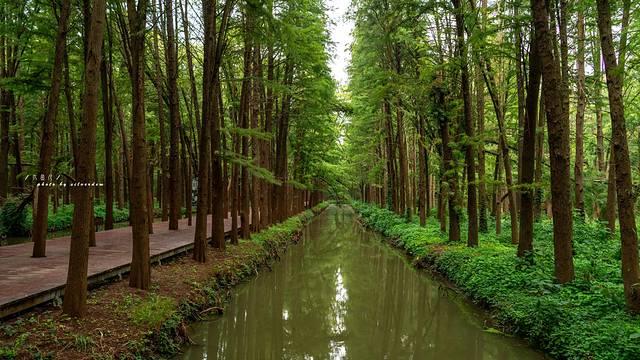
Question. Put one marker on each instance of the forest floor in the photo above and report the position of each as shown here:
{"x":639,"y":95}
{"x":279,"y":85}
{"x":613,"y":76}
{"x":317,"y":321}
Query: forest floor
{"x":584,"y":319}
{"x":125,"y":323}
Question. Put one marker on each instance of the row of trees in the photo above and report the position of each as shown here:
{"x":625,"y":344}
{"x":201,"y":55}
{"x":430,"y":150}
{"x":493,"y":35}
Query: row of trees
{"x":422,"y":76}
{"x":233,"y":94}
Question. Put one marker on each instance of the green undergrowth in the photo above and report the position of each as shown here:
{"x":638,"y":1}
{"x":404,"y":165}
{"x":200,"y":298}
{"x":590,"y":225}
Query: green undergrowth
{"x":17,"y":221}
{"x":585,"y":319}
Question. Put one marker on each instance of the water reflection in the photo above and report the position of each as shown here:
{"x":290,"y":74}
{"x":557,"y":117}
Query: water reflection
{"x":343,"y":294}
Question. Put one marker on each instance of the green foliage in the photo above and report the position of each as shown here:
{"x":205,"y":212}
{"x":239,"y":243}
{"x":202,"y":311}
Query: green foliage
{"x":153,"y":310}
{"x":19,"y":223}
{"x":11,"y":352}
{"x":83,"y":342}
{"x":585,"y":319}
{"x":14,"y":219}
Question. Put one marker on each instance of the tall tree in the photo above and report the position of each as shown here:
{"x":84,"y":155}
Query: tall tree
{"x":133,"y":36}
{"x":525,"y":243}
{"x":174,"y":116}
{"x":558,"y":136}
{"x":580,"y":108}
{"x":75,"y":294}
{"x":40,"y":223}
{"x":620,"y":149}
{"x":472,"y":204}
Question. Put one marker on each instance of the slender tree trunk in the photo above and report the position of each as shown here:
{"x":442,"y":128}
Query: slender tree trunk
{"x":472,"y":202}
{"x":70,"y":112}
{"x":217,"y":192}
{"x":597,"y":99}
{"x":164,"y":161}
{"x":497,"y":190}
{"x":582,"y":103}
{"x":620,"y":149}
{"x":450,"y":170}
{"x":107,"y":106}
{"x":392,"y":194}
{"x":525,"y":243}
{"x":174,"y":116}
{"x":39,"y":228}
{"x":75,"y":295}
{"x":245,"y":113}
{"x":422,"y":173}
{"x":140,"y":276}
{"x":539,"y":154}
{"x":610,"y":210}
{"x":504,"y":151}
{"x":482,"y":187}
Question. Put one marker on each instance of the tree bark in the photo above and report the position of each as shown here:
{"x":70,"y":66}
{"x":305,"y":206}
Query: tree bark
{"x":140,"y":276}
{"x":174,"y":116}
{"x":582,"y":103}
{"x":39,"y":228}
{"x":472,"y":202}
{"x":525,"y":243}
{"x":558,"y":137}
{"x":620,"y":150}
{"x":107,"y":106}
{"x":75,"y":295}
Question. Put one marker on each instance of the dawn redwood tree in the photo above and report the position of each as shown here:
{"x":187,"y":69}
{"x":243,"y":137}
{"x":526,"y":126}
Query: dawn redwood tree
{"x":472,"y":204}
{"x":133,"y":35}
{"x":75,"y":294}
{"x":214,"y":112}
{"x":580,"y":108}
{"x":39,"y":227}
{"x":174,"y":116}
{"x":558,"y":137}
{"x":620,"y":150}
{"x":525,"y":243}
{"x":213,"y":49}
{"x":107,"y":107}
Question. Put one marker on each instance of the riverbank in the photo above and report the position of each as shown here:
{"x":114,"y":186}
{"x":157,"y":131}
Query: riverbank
{"x":585,"y":319}
{"x":125,"y":323}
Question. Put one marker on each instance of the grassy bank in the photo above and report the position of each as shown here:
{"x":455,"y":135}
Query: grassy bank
{"x":585,"y":319}
{"x":124,"y":323}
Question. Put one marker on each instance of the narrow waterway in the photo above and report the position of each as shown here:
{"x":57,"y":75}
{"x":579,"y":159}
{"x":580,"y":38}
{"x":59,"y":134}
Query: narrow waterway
{"x":341,"y":293}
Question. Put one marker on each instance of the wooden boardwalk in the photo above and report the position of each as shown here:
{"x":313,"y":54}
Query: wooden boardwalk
{"x":26,"y":282}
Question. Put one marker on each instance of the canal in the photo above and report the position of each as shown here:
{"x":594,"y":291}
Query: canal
{"x":342,"y":293}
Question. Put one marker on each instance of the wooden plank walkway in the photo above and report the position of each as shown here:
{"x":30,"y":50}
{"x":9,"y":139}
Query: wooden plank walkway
{"x":26,"y":282}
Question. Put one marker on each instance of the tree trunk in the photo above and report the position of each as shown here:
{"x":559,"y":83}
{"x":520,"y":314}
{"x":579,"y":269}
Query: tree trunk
{"x":450,"y":171}
{"x":525,"y":243}
{"x":558,"y":125}
{"x":582,"y":103}
{"x":539,"y":154}
{"x":472,"y":203}
{"x":392,"y":193}
{"x":75,"y":295}
{"x":140,"y":276}
{"x":620,"y":150}
{"x":174,"y":116}
{"x":597,"y":99}
{"x":108,"y":145}
{"x":422,"y":173}
{"x":39,"y":228}
{"x":482,"y":187}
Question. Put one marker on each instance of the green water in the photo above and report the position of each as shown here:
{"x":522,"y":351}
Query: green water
{"x":341,"y":293}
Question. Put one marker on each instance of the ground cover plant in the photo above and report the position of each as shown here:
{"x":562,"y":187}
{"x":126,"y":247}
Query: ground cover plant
{"x":583,"y":319}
